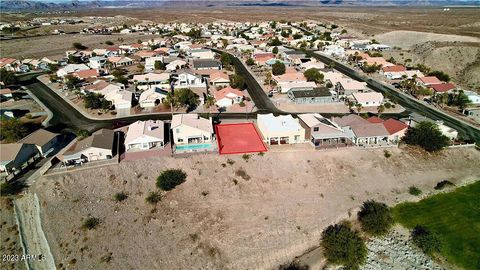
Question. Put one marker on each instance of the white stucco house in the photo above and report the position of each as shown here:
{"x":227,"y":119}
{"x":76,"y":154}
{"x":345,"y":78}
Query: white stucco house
{"x":192,"y":133}
{"x":282,"y":129}
{"x":145,"y":135}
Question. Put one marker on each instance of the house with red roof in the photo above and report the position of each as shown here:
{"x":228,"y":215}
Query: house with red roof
{"x":443,"y":87}
{"x":395,"y":128}
{"x":228,"y":96}
{"x":11,"y":64}
{"x":393,"y":72}
{"x":219,"y":79}
{"x":88,"y":73}
{"x":427,"y":81}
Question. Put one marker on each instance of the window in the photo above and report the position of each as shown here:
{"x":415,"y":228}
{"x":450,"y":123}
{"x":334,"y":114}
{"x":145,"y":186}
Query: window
{"x":315,"y":129}
{"x":177,"y":130}
{"x":180,"y":140}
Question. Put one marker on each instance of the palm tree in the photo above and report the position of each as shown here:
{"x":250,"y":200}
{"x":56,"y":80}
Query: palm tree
{"x":148,"y":85}
{"x":108,"y":66}
{"x":209,"y":101}
{"x":380,"y":110}
{"x":268,"y":77}
{"x":135,"y":83}
{"x":350,"y":104}
{"x":359,"y":108}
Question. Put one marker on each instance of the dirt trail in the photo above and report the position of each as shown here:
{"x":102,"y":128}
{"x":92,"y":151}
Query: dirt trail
{"x":27,"y":209}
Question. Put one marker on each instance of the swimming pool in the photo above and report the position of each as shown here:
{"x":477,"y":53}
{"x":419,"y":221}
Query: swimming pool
{"x":188,"y":147}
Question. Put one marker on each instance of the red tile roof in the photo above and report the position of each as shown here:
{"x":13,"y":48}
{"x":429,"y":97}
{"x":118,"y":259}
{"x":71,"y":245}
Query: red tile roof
{"x":396,"y":68}
{"x":429,"y":80}
{"x":442,"y":87}
{"x":82,"y":74}
{"x":375,"y":119}
{"x":393,"y":126}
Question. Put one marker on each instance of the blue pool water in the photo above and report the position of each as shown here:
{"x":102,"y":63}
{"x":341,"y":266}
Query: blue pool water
{"x":193,"y":146}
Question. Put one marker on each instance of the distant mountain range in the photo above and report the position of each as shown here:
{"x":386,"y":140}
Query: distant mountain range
{"x":43,"y":5}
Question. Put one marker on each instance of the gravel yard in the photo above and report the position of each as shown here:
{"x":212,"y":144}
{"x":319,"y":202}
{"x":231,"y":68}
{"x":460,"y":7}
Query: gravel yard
{"x":254,"y":213}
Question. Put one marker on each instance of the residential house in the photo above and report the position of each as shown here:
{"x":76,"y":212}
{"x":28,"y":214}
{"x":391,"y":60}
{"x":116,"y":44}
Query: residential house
{"x":152,"y":97}
{"x":396,"y":129}
{"x":189,"y":79}
{"x":146,"y":81}
{"x":228,"y":96}
{"x":347,"y":86}
{"x":44,"y":140}
{"x":315,"y":95}
{"x":5,"y":94}
{"x":334,"y":50}
{"x":394,"y":72}
{"x":292,"y":77}
{"x":206,"y":64}
{"x":369,"y":99}
{"x":15,"y":156}
{"x":473,"y":112}
{"x":427,"y":81}
{"x":145,"y":135}
{"x":201,"y":54}
{"x":175,"y":64}
{"x":120,"y":61}
{"x":285,"y":87}
{"x":71,"y":68}
{"x":415,"y":118}
{"x":98,"y":146}
{"x":442,"y":87}
{"x":473,"y":97}
{"x":282,"y":129}
{"x":219,"y":79}
{"x":324,"y":133}
{"x":85,"y":74}
{"x":150,"y":62}
{"x":312,"y":64}
{"x":192,"y":133}
{"x":97,"y":62}
{"x":365,"y":132}
{"x":10,"y":64}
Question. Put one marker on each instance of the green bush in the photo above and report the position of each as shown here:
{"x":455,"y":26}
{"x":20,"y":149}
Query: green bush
{"x":344,"y":246}
{"x":171,"y":178}
{"x":91,"y":223}
{"x":376,"y":218}
{"x":153,"y":197}
{"x":120,"y":196}
{"x":442,"y":184}
{"x":413,"y":190}
{"x":426,"y":240}
{"x":427,"y":135}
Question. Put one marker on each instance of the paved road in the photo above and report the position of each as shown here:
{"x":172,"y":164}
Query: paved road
{"x":408,"y":102}
{"x":65,"y":116}
{"x":261,"y":100}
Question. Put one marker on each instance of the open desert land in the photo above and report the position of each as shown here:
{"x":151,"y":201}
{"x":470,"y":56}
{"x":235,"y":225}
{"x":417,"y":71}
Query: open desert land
{"x":232,"y":212}
{"x":55,"y":45}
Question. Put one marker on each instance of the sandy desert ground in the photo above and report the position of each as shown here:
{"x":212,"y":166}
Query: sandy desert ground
{"x":254,"y":214}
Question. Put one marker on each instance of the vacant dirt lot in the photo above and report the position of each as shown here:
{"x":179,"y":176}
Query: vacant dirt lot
{"x":56,"y":45}
{"x":239,"y":214}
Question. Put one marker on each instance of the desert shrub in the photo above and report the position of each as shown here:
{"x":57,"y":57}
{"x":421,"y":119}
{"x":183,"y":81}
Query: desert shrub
{"x":386,"y":153}
{"x":250,"y":62}
{"x":246,"y":157}
{"x":293,"y":266}
{"x":413,"y":190}
{"x":426,"y":240}
{"x":230,"y":162}
{"x":91,"y":223}
{"x":376,"y":218}
{"x":153,"y":197}
{"x":344,"y":246}
{"x":442,"y":184}
{"x":242,"y":173}
{"x":171,"y":178}
{"x":120,"y":196}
